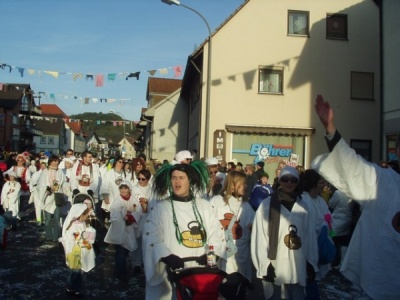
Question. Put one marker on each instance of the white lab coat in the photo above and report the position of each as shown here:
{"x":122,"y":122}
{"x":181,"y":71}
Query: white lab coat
{"x":48,"y":202}
{"x":159,"y":240}
{"x":10,"y":195}
{"x":241,"y":261}
{"x":290,"y":265}
{"x":110,"y":185}
{"x":127,"y":235}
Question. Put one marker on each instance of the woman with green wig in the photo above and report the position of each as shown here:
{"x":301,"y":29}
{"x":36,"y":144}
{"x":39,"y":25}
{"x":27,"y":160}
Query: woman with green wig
{"x":179,"y":225}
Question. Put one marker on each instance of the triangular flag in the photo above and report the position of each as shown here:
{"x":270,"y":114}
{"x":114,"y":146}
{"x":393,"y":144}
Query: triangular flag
{"x":178,"y":71}
{"x":164,"y":71}
{"x":136,"y":74}
{"x":52,"y":73}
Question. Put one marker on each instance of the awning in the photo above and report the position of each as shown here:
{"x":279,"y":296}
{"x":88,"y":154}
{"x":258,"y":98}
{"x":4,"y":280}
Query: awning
{"x":270,"y":130}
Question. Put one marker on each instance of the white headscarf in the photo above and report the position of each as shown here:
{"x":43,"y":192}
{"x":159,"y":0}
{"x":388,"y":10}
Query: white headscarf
{"x":126,"y":183}
{"x":74,"y":213}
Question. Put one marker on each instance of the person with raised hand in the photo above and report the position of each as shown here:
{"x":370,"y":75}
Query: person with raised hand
{"x":372,"y":259}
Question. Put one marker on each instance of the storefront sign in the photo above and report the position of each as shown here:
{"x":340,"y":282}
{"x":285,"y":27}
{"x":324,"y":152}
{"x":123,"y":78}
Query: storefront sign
{"x":263,"y":152}
{"x":219,"y":144}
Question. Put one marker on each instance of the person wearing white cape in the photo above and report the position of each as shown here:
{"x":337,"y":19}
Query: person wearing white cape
{"x":10,"y":194}
{"x":77,"y":239}
{"x":125,"y":215}
{"x":180,"y":225}
{"x":49,"y":183}
{"x":372,"y":260}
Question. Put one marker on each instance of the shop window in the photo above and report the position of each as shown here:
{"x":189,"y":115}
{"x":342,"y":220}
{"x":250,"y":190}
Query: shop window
{"x":271,"y":149}
{"x":298,"y":23}
{"x":270,"y":80}
{"x":336,"y":26}
{"x":362,"y":86}
{"x":391,"y":147}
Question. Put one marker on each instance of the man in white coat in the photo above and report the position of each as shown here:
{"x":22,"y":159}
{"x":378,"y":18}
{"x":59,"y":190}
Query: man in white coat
{"x":85,"y":174}
{"x":372,"y":259}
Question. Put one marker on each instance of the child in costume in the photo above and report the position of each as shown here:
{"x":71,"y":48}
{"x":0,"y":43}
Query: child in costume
{"x":10,"y":194}
{"x":77,"y":239}
{"x":125,"y":215}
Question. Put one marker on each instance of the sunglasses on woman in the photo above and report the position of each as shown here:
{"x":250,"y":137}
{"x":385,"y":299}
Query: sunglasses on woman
{"x":142,"y":179}
{"x":289,"y":179}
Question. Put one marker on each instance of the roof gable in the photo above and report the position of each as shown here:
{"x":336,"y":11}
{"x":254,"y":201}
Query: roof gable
{"x":164,"y":86}
{"x":51,"y":110}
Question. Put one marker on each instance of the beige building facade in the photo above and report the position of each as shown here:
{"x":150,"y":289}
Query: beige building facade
{"x":270,"y":59}
{"x":167,"y":122}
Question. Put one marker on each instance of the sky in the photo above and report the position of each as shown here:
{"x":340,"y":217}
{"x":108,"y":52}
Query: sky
{"x":42,"y":39}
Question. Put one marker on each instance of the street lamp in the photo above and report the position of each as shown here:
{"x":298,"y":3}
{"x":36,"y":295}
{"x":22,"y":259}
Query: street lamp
{"x":115,"y":112}
{"x":208,"y":85}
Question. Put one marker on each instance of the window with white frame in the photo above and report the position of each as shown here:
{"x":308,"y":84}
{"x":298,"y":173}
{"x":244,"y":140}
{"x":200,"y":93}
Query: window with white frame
{"x":50,"y":140}
{"x":336,"y":26}
{"x":362,"y":86}
{"x":43,"y":140}
{"x":270,"y":80}
{"x":298,"y":22}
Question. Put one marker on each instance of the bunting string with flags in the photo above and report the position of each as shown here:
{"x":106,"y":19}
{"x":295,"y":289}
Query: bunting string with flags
{"x":67,"y":119}
{"x":50,"y":96}
{"x":98,"y":79}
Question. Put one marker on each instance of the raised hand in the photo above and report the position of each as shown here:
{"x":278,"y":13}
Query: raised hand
{"x":325,"y":114}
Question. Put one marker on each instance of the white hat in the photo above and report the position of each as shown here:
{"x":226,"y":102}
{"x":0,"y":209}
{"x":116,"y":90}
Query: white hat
{"x":289,"y":171}
{"x":182,"y":155}
{"x":127,"y":183}
{"x":211,"y":161}
{"x":22,"y":156}
{"x":68,"y":159}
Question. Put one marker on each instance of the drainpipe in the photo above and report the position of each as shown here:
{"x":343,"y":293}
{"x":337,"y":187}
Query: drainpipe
{"x":381,"y":92}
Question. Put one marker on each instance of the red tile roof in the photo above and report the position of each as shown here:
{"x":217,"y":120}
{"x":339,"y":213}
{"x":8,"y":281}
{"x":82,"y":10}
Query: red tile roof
{"x":51,"y":110}
{"x":74,"y":126}
{"x":163,"y":85}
